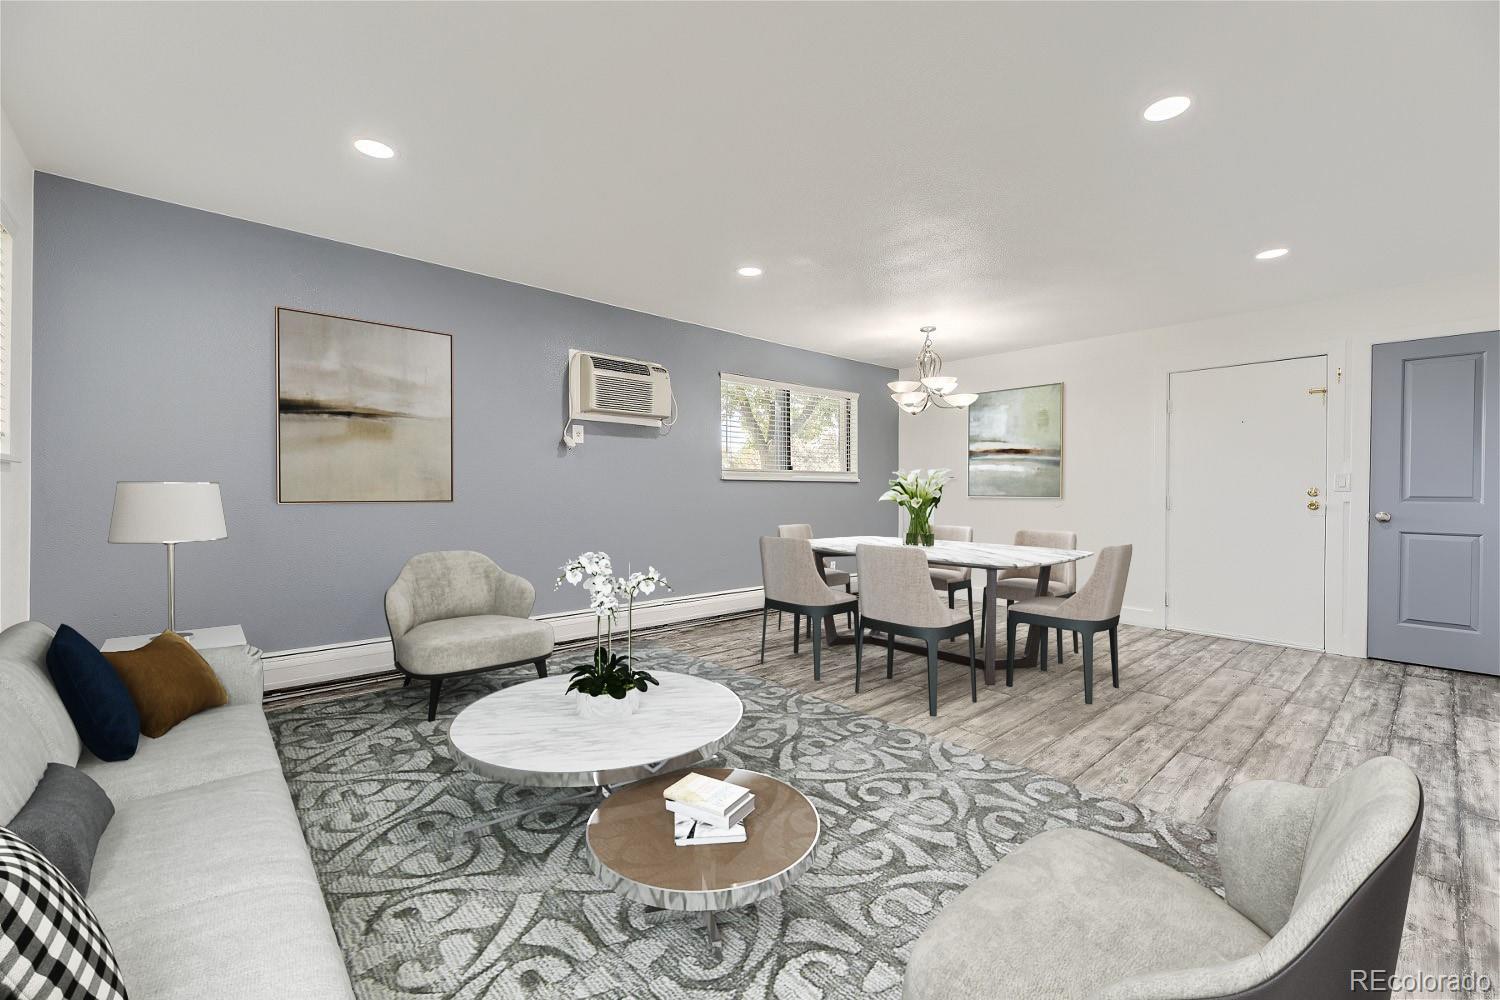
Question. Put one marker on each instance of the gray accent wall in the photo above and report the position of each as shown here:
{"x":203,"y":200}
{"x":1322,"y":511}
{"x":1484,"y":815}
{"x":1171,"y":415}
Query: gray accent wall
{"x":155,"y":359}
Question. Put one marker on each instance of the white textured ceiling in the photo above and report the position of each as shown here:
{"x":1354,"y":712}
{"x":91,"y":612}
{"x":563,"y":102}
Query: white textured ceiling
{"x":981,"y":167}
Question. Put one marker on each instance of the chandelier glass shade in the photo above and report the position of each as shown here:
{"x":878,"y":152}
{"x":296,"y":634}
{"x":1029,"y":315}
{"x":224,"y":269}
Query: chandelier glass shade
{"x":931,"y":388}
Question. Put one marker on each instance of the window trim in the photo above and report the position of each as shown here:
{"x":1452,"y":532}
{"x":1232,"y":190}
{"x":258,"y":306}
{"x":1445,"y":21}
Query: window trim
{"x":851,"y":445}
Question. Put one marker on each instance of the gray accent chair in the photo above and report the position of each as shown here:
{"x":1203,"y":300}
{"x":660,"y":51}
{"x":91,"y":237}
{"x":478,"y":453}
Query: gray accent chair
{"x":456,"y":613}
{"x":1095,"y":608}
{"x":896,"y":597}
{"x":791,"y":582}
{"x":953,"y":578}
{"x":1315,"y":888}
{"x":1020,"y":584}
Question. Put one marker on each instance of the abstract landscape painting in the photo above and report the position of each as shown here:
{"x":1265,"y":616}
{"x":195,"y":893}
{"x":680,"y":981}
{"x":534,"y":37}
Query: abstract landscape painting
{"x":1015,"y":442}
{"x":364,"y":411}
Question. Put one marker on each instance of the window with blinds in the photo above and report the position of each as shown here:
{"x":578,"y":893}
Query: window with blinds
{"x":776,"y":430}
{"x":6,"y":261}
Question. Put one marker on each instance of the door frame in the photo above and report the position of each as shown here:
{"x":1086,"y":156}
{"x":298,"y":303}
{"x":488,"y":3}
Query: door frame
{"x":1335,"y":529}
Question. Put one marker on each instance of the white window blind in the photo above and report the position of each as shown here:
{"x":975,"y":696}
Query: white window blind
{"x":777,"y":430}
{"x":6,"y":261}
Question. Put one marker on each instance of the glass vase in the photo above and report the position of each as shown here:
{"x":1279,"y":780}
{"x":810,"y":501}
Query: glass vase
{"x":919,"y":527}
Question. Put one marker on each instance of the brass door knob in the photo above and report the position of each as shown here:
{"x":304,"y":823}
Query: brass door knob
{"x":1312,"y":491}
{"x":1313,"y":505}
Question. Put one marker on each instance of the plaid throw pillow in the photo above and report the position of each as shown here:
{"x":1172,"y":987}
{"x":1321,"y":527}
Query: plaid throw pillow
{"x":51,"y":946}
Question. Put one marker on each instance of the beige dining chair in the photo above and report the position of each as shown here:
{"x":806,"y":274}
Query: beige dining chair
{"x":1095,"y":608}
{"x":896,"y":597}
{"x":832,"y":577}
{"x":954,"y":578}
{"x":790,"y":580}
{"x":1020,"y":584}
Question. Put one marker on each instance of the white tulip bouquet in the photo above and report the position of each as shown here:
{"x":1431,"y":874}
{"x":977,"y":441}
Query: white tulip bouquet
{"x":608,"y":672}
{"x":918,"y":493}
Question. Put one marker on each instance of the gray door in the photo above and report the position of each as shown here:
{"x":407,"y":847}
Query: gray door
{"x":1434,"y":508}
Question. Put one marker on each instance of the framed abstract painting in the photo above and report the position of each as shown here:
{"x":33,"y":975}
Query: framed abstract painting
{"x":1016,"y":442}
{"x":364,"y":411}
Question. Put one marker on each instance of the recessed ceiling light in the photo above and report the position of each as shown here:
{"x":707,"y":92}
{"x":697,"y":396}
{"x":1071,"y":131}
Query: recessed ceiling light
{"x":375,"y":148}
{"x":750,"y":271}
{"x":1272,"y":254}
{"x":1167,"y":107}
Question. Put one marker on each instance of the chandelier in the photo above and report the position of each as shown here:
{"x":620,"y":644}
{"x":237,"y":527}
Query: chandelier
{"x":931,"y":387}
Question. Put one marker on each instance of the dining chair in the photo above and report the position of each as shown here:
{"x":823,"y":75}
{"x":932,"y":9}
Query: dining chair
{"x":1095,"y":608}
{"x":896,"y":597}
{"x":953,"y":578}
{"x":832,"y":577}
{"x":791,"y":583}
{"x":1020,"y":584}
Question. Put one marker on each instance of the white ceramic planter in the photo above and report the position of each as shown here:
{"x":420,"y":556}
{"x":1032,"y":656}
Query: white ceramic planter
{"x":604,"y":707}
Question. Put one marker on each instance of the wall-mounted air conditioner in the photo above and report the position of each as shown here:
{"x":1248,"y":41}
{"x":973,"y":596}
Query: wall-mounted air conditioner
{"x":617,"y":390}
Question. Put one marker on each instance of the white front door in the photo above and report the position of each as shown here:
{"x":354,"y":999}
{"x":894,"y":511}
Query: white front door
{"x":1247,"y":446}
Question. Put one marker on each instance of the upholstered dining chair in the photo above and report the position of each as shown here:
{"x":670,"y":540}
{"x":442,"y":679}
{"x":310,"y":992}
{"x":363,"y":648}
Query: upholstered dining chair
{"x":1316,"y":882}
{"x":832,"y":577}
{"x":457,"y":613}
{"x":953,"y":578}
{"x":896,"y":597}
{"x":790,"y":581}
{"x":1095,"y":608}
{"x":1020,"y":584}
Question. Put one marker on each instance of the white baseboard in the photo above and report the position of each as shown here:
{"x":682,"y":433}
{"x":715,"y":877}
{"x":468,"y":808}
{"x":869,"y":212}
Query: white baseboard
{"x":322,"y":664}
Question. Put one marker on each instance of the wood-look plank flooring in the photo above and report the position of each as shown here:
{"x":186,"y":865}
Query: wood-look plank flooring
{"x":1193,"y":717}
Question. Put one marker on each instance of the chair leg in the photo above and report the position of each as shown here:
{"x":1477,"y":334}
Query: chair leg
{"x":973,"y":666}
{"x":859,"y":655}
{"x":817,"y":641}
{"x":541,"y":667}
{"x":406,"y":680}
{"x":796,"y":634}
{"x":890,"y":655}
{"x":1041,"y":659}
{"x":950,"y":599}
{"x":1114,"y":654}
{"x":1088,"y":669}
{"x":765,"y":614}
{"x":932,"y":680}
{"x":432,"y":698}
{"x":1075,"y":642}
{"x":778,"y":621}
{"x":1059,"y":645}
{"x":1010,"y":651}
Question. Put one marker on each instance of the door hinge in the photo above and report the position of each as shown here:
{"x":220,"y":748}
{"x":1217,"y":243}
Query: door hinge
{"x":1166,"y":600}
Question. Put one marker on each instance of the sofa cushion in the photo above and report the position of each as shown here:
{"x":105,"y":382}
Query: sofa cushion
{"x":1067,"y":913}
{"x":26,"y":687}
{"x":23,"y":758}
{"x":454,"y":645}
{"x":171,"y":851}
{"x":168,"y":680}
{"x":64,"y":819}
{"x":265,"y":943}
{"x":96,"y":698}
{"x":50,"y":943}
{"x":220,"y":743}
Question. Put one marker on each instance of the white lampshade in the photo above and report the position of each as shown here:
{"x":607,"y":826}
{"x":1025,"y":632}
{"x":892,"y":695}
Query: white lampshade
{"x":961,"y":398}
{"x":904,"y":386}
{"x":940,"y":384}
{"x":167,"y":512}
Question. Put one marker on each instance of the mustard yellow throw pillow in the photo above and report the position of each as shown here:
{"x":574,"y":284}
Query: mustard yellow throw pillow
{"x":168,"y":681}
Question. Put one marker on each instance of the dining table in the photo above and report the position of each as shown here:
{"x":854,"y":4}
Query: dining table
{"x":991,"y":557}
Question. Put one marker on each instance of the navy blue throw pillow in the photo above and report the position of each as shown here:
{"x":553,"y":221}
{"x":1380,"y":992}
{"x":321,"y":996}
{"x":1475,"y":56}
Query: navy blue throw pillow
{"x":96,"y":699}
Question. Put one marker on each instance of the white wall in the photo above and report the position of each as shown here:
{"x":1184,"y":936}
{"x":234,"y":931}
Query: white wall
{"x":1115,"y":427}
{"x":16,"y":183}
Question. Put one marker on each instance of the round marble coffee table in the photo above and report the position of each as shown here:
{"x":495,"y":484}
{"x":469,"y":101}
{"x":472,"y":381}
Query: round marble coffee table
{"x":530,"y":734}
{"x":631,"y":848}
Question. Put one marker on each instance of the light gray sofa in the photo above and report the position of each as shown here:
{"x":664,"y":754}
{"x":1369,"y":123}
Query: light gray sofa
{"x":202,"y":879}
{"x":1316,"y":883}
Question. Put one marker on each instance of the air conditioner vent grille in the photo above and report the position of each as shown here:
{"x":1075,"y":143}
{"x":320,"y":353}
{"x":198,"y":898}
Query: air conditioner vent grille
{"x":619,"y":365}
{"x":625,"y":394}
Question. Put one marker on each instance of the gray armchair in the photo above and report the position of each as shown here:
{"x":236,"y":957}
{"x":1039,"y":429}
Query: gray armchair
{"x":1315,"y":888}
{"x":456,"y":613}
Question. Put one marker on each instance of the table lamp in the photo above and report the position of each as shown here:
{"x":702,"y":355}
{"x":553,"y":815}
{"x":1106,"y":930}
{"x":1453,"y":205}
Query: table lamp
{"x":167,"y":513}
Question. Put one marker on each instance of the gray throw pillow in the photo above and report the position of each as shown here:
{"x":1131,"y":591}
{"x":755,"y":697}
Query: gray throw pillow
{"x":64,"y":819}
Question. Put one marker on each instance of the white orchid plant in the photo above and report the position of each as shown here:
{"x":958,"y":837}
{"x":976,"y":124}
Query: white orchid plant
{"x":918,"y":493}
{"x":608,"y":672}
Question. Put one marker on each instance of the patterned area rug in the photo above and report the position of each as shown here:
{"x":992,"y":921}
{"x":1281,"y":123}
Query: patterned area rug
{"x":422,"y":911}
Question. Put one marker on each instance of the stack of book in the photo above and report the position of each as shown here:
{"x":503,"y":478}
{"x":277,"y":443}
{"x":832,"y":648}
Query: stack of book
{"x":707,"y":810}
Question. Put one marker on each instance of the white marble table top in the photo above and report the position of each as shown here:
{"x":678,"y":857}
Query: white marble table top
{"x":531,"y":734}
{"x":980,"y":555}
